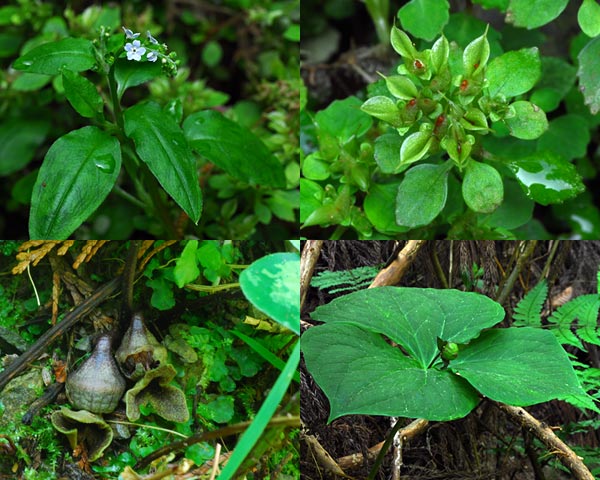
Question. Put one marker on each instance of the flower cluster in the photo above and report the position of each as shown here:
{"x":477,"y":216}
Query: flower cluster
{"x":151,"y":48}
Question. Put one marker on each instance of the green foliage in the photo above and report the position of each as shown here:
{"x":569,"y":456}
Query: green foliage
{"x":529,"y":309}
{"x":348,"y":355}
{"x":344,"y":280}
{"x":460,"y":126}
{"x":85,"y":59}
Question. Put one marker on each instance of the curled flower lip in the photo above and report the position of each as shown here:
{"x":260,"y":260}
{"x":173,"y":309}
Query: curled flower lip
{"x":135,"y":50}
{"x":152,"y":56}
{"x":129,"y":34}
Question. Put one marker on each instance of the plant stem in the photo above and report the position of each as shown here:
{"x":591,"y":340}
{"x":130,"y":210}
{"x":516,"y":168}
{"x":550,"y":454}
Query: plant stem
{"x":379,"y":9}
{"x":384,"y":449}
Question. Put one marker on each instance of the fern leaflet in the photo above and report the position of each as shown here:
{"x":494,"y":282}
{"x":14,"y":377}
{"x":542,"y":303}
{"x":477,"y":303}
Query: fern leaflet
{"x":528,"y":310}
{"x":345,"y":280}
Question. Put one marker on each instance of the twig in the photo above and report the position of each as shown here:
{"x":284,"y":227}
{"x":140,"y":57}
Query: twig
{"x":392,"y":274}
{"x":310,"y":255}
{"x":57,"y":331}
{"x":545,"y":434}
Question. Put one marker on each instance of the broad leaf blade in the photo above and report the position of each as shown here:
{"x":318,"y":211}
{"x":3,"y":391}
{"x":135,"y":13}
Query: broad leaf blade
{"x":518,"y":366}
{"x":233,"y":148}
{"x":514,"y":73}
{"x":82,"y":94}
{"x":76,"y":54}
{"x":415,"y":317}
{"x":362,"y":374}
{"x":589,"y":74}
{"x":130,"y":74}
{"x":19,"y":140}
{"x":78,"y":172}
{"x":160,"y":143}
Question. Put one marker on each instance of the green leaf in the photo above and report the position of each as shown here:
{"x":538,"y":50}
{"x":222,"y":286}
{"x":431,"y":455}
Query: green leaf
{"x":424,"y":18}
{"x":588,"y":17}
{"x":377,"y":207}
{"x":130,"y":73}
{"x":314,"y":167}
{"x":440,"y":51}
{"x":415,"y":147}
{"x":81,"y":94}
{"x":387,"y":153}
{"x":383,"y":108}
{"x":401,"y":87}
{"x":534,"y":13}
{"x":514,"y":73}
{"x":78,"y":173}
{"x":343,"y":120}
{"x":402,"y":43}
{"x":546,"y":177}
{"x":517,"y":366}
{"x":589,"y":74}
{"x":515,"y":210}
{"x":359,"y":371}
{"x":558,"y":76}
{"x":482,"y":187}
{"x":272,"y":284}
{"x":528,"y":122}
{"x":529,"y":309}
{"x":476,"y":55}
{"x":233,"y":148}
{"x":422,"y":195}
{"x":76,"y":54}
{"x":160,"y":143}
{"x":19,"y":139}
{"x":568,"y":136}
{"x":186,"y":268}
{"x":311,"y":195}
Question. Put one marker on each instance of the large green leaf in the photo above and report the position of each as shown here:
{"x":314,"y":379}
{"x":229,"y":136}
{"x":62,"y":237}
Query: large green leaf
{"x":415,"y":317}
{"x":534,"y":13}
{"x":422,"y":195}
{"x":518,"y":366}
{"x":271,"y":283}
{"x":424,"y":18}
{"x":362,"y":373}
{"x":76,"y":54}
{"x":130,"y":74}
{"x":78,"y":172}
{"x":82,"y":94}
{"x":19,"y":140}
{"x":546,"y":177}
{"x":161,"y":144}
{"x":514,"y":73}
{"x":589,"y":74}
{"x":233,"y":148}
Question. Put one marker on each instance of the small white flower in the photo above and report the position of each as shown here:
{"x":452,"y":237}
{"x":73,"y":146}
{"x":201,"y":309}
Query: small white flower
{"x":129,"y":34}
{"x":134,"y":50}
{"x":152,"y":57}
{"x":151,"y":38}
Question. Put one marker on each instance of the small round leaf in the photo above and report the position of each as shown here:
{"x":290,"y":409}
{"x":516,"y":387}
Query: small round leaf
{"x":482,"y":187}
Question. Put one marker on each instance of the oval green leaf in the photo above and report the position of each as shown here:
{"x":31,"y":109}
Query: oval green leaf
{"x":534,"y":13}
{"x":588,"y":17}
{"x":424,"y":18}
{"x":589,"y":74}
{"x":160,"y":143}
{"x":547,"y":178}
{"x":130,"y":74}
{"x":233,"y":148}
{"x":383,"y":108}
{"x":476,"y":54}
{"x":272,"y":284}
{"x":518,"y":366}
{"x":76,"y":54}
{"x":422,"y":195}
{"x":482,"y":187}
{"x":528,"y":122}
{"x":415,"y":147}
{"x":81,"y":94}
{"x":514,"y":73}
{"x":78,"y":173}
{"x":19,"y":140}
{"x":401,"y":87}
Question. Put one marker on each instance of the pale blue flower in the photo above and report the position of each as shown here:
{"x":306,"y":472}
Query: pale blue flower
{"x":152,"y":56}
{"x":151,"y":38}
{"x":129,"y":34}
{"x":134,"y":50}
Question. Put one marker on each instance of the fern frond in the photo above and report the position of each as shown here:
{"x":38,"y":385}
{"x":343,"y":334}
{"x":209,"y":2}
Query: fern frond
{"x":588,"y":306}
{"x":528,"y":310}
{"x":563,"y":316}
{"x":354,"y":279}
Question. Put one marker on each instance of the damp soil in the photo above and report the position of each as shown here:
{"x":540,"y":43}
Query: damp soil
{"x":485,"y":444}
